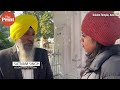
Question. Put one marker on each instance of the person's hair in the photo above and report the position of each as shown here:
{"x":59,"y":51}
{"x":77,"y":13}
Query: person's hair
{"x":99,"y":48}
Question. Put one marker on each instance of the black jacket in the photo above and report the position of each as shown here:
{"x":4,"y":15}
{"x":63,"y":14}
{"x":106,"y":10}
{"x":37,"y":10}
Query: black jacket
{"x":7,"y":71}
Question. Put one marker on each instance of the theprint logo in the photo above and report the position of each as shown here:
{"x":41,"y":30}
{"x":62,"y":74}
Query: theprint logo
{"x":7,"y":18}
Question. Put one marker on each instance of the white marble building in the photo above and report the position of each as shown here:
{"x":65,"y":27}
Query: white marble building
{"x":68,"y":51}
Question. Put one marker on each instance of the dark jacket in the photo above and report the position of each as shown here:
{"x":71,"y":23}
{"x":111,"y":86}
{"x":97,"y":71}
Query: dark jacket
{"x":106,"y":65}
{"x":7,"y":71}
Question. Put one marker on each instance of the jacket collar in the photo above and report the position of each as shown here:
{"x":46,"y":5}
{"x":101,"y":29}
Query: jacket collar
{"x":14,"y":53}
{"x":102,"y":57}
{"x":14,"y":56}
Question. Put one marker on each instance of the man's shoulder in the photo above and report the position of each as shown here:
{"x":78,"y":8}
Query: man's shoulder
{"x":40,"y":50}
{"x":41,"y":54}
{"x":5,"y":51}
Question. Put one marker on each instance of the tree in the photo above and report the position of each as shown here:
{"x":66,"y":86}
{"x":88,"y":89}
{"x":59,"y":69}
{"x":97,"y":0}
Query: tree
{"x":45,"y":23}
{"x":1,"y":12}
{"x":4,"y":34}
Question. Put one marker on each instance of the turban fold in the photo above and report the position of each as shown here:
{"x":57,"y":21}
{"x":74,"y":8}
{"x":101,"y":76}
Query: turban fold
{"x":22,"y":24}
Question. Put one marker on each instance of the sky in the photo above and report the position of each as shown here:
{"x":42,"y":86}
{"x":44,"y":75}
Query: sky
{"x":18,"y":13}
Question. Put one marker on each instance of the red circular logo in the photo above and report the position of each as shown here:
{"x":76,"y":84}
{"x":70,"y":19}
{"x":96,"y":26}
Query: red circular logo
{"x":7,"y":18}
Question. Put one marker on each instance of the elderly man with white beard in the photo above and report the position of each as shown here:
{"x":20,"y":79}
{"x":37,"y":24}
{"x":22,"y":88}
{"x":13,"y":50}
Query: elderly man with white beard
{"x":23,"y":32}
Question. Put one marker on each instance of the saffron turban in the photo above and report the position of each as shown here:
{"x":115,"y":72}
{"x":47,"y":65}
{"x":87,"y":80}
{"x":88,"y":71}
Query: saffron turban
{"x":22,"y":24}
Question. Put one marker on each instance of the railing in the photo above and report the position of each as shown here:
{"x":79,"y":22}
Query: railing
{"x":55,"y":64}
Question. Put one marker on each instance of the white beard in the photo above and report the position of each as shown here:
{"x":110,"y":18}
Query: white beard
{"x":25,"y":55}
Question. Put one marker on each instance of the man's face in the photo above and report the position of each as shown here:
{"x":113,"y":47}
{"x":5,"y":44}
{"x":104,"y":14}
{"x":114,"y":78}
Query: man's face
{"x":27,"y":40}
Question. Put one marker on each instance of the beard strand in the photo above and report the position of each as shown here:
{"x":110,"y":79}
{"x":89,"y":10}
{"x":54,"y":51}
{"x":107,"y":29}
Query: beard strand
{"x":25,"y":54}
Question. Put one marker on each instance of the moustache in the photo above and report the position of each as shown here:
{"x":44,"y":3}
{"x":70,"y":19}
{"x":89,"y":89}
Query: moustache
{"x":29,"y":43}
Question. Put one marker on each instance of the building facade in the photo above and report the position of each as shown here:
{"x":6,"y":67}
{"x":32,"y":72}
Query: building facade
{"x":68,"y":52}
